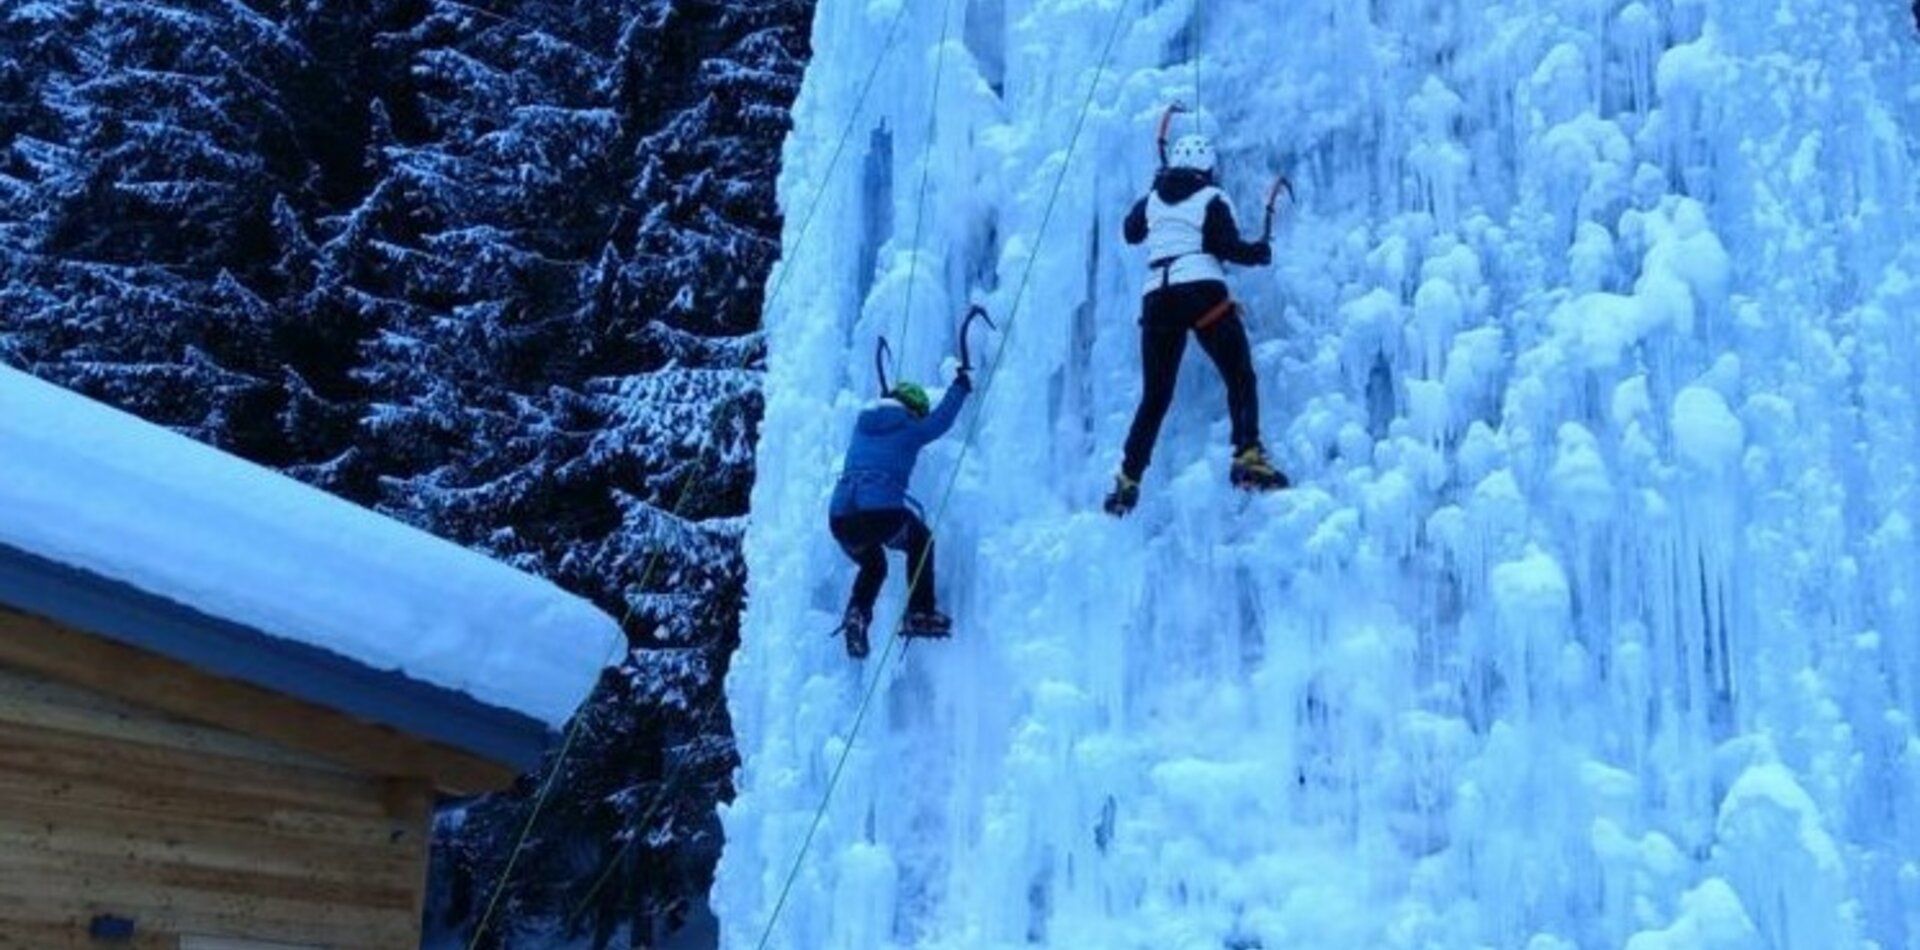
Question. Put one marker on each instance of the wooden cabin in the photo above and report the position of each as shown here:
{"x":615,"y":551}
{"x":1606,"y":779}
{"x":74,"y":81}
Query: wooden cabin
{"x":205,"y":740}
{"x":246,"y":797}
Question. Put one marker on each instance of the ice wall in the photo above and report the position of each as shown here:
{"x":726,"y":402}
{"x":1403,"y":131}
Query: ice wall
{"x":1593,"y":620}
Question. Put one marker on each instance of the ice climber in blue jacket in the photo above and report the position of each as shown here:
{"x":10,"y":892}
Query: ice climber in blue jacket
{"x":872,"y":512}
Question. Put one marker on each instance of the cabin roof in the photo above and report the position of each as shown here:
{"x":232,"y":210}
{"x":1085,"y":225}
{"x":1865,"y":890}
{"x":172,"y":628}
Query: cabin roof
{"x":120,"y":612}
{"x":132,"y":532}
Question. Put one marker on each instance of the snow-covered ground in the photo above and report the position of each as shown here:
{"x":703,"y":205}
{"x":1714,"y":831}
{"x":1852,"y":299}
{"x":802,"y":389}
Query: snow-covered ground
{"x":1595,"y":618}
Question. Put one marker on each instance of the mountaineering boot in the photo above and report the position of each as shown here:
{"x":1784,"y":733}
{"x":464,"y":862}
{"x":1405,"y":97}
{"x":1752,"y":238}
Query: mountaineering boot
{"x":926,"y":624}
{"x":1252,"y":472}
{"x":1125,"y":495}
{"x":854,"y":627}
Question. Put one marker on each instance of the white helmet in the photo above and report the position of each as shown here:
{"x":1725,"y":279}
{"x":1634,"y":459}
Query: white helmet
{"x":1192,"y":151}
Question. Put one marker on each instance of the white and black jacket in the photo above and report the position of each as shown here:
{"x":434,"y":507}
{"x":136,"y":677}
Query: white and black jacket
{"x":1187,"y":224}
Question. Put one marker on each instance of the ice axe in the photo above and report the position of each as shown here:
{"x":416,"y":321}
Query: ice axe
{"x":1166,"y":122}
{"x":882,"y":352}
{"x":976,"y":311}
{"x":1280,"y":184}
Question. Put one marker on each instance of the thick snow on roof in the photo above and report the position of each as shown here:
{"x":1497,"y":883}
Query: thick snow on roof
{"x":95,"y":488}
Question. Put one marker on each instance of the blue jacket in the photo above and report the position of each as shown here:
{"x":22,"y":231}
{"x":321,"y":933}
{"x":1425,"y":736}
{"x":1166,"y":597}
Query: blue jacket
{"x":887,"y":440}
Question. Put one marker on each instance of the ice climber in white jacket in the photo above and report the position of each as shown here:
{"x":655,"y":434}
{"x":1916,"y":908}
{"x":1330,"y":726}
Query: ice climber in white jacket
{"x":1188,"y":227}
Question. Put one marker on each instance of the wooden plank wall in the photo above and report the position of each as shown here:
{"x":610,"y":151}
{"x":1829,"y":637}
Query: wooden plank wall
{"x":107,"y":808}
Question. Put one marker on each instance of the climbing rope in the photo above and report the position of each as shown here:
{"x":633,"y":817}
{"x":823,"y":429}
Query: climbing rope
{"x":1193,"y":43}
{"x":833,"y":161}
{"x":920,"y":201}
{"x":833,"y":780}
{"x":669,"y":783}
{"x":1013,"y":312}
{"x":799,"y":244}
{"x":566,"y":742}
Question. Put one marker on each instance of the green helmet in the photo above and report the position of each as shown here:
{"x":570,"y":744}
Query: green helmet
{"x":913,"y":397}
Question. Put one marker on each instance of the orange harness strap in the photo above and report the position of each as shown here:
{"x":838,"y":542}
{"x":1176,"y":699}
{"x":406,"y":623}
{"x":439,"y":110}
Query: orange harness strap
{"x":1220,"y":311}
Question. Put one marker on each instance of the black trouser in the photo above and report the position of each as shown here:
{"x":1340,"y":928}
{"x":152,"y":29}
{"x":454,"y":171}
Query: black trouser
{"x":865,"y":536}
{"x":1167,"y":315}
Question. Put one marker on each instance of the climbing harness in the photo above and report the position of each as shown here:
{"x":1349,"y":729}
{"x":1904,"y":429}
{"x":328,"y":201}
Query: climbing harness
{"x":1215,"y":314}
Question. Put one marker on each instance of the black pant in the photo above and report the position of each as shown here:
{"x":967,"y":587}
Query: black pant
{"x":865,"y":536}
{"x":1167,"y":315}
